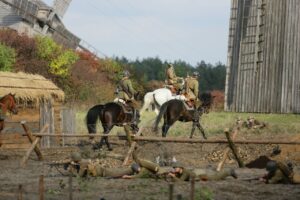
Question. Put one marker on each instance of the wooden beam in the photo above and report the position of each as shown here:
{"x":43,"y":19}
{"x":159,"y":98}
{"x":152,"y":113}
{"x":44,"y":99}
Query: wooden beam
{"x":31,"y":138}
{"x":33,"y":146}
{"x":226,"y":151}
{"x":176,"y":140}
{"x":234,"y":150}
{"x":221,"y":141}
{"x":129,"y":153}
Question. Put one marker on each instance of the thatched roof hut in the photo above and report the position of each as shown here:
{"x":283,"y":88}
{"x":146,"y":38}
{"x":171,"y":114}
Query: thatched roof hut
{"x":29,"y":87}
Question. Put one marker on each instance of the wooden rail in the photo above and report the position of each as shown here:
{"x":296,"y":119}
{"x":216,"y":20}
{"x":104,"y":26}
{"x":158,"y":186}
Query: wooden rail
{"x":175,"y":140}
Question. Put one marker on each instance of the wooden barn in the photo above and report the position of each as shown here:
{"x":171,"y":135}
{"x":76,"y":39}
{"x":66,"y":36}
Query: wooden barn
{"x":263,"y":68}
{"x":39,"y":102}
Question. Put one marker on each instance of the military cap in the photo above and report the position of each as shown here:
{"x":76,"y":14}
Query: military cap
{"x":170,"y":65}
{"x":195,"y":73}
{"x":75,"y":156}
{"x":126,"y":73}
{"x":135,"y":167}
{"x":271,"y":166}
{"x":177,"y":165}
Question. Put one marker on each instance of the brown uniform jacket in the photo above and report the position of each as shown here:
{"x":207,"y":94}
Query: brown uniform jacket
{"x":127,"y":92}
{"x":192,"y":88}
{"x":171,"y":76}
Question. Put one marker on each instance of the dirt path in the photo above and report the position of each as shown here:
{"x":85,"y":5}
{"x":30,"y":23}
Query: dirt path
{"x":192,"y":155}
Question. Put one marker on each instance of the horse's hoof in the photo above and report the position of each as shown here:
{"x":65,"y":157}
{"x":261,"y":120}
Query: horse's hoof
{"x":110,"y":149}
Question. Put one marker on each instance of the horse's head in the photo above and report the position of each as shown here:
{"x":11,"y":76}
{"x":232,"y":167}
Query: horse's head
{"x":8,"y":102}
{"x":207,"y":101}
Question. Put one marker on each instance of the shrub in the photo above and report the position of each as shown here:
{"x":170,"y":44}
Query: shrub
{"x":60,"y":60}
{"x":7,"y":58}
{"x":61,"y":65}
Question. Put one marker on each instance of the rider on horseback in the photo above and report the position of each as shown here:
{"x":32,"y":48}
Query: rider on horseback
{"x":126,"y":94}
{"x":172,"y":81}
{"x":192,"y":90}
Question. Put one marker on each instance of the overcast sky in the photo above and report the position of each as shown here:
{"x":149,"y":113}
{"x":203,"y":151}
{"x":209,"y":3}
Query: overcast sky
{"x":188,"y":30}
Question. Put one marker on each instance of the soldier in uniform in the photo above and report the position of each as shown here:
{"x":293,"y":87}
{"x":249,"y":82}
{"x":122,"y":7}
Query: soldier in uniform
{"x":278,"y":172}
{"x":192,"y":89}
{"x":126,"y":93}
{"x":87,"y":167}
{"x":172,"y":80}
{"x":181,"y":174}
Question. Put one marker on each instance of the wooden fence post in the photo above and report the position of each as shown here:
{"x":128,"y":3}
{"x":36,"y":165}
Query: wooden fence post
{"x":171,"y":191}
{"x":20,"y":192}
{"x":70,"y":187}
{"x":41,"y":187}
{"x":192,"y":194}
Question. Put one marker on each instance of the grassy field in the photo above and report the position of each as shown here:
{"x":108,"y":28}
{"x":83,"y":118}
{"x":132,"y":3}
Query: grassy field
{"x":213,"y":123}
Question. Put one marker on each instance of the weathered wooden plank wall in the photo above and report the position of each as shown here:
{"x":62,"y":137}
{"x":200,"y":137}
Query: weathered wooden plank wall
{"x":263,"y":57}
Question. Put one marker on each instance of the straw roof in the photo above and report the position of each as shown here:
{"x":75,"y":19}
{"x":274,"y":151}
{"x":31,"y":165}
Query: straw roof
{"x":29,"y":87}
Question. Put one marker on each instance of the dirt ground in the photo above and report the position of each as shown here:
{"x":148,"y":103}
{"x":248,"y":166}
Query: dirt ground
{"x":192,"y":155}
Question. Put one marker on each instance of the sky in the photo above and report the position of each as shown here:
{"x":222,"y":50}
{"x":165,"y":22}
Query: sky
{"x":186,"y":30}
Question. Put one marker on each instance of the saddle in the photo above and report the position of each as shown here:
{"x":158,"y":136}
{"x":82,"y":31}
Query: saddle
{"x":189,"y":105}
{"x":173,"y":89}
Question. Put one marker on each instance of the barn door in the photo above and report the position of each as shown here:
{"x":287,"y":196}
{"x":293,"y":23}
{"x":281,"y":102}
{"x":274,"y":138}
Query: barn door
{"x":46,"y":117}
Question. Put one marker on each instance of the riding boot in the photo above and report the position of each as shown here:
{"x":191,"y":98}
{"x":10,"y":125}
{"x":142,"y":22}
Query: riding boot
{"x":196,"y":115}
{"x":136,"y":116}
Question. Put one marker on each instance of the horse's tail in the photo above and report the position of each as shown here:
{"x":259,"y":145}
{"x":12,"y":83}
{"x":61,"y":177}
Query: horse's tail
{"x":92,"y":117}
{"x":162,"y":111}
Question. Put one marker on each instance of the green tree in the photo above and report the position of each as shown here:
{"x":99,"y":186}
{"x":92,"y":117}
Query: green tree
{"x":7,"y":58}
{"x":59,"y":59}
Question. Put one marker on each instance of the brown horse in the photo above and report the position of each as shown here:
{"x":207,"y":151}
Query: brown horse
{"x":175,"y":110}
{"x":110,"y":115}
{"x":7,"y":103}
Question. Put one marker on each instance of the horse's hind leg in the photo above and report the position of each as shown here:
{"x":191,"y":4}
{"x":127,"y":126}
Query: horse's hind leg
{"x":105,"y":138}
{"x":165,"y":129}
{"x":201,"y":130}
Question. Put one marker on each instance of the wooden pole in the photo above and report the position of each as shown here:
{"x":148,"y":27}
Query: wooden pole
{"x":20,"y":192}
{"x":32,"y":147}
{"x":226,"y":151}
{"x":31,"y":139}
{"x":192,"y":193}
{"x":234,"y":150}
{"x":129,"y":153}
{"x":70,"y":187}
{"x":41,"y":187}
{"x":171,"y":191}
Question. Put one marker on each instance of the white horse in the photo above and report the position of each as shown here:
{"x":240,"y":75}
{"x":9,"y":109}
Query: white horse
{"x":157,"y":98}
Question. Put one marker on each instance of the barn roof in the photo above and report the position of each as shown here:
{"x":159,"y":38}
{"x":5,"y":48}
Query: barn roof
{"x":29,"y":87}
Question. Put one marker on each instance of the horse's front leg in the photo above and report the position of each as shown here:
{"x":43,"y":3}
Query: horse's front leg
{"x":193,"y":130}
{"x":201,"y":130}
